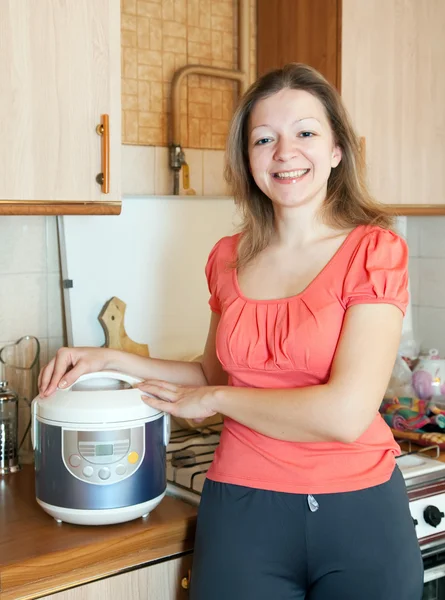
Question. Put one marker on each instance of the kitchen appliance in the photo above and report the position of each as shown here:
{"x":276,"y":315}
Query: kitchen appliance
{"x":100,"y":451}
{"x":425,"y":481}
{"x":9,"y":414}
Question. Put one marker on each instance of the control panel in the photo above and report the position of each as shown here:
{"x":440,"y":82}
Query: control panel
{"x":428,"y":515}
{"x":103,"y":457}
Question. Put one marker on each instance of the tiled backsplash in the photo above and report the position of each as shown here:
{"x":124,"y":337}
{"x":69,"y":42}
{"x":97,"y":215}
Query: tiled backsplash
{"x":160,"y":36}
{"x":145,"y":170}
{"x":30,"y":291}
{"x":30,"y":294}
{"x":427,"y":271}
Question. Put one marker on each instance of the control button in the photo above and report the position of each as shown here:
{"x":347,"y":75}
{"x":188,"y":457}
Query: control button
{"x":88,"y":471}
{"x":121,"y":469}
{"x":75,"y":460}
{"x":105,"y":473}
{"x":133,"y":458}
{"x":432,"y":515}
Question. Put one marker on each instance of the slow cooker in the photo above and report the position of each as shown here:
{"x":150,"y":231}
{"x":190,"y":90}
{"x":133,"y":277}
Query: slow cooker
{"x":100,"y":451}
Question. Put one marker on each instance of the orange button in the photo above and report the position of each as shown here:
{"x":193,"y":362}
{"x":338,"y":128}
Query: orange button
{"x":133,"y":457}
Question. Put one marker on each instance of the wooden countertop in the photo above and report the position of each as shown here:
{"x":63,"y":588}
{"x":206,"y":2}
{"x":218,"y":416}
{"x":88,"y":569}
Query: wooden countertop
{"x":40,"y":557}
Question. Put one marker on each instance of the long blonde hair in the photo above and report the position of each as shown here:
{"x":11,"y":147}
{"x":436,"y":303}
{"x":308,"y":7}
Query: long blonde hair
{"x":348,"y":201}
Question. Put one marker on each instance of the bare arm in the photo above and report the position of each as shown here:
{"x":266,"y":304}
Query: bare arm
{"x":71,"y":363}
{"x":343,"y":408}
{"x":340,"y":410}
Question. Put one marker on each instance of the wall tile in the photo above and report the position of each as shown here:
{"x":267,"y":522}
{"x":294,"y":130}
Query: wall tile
{"x":414,"y":274}
{"x":52,"y":246}
{"x":55,"y":312}
{"x":432,"y":236}
{"x":431,"y":328}
{"x":159,"y":37}
{"x":413,"y":235}
{"x":431,"y":282}
{"x":163,"y":173}
{"x":213,"y":180}
{"x":138,"y":170}
{"x":24,"y":305}
{"x":23,"y":245}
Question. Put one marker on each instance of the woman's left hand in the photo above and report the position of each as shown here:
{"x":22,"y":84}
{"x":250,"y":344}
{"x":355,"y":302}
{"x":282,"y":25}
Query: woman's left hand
{"x":182,"y":401}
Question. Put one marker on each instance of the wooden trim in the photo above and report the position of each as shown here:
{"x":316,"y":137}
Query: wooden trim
{"x":60,"y":207}
{"x":415,"y":210}
{"x":339,"y":44}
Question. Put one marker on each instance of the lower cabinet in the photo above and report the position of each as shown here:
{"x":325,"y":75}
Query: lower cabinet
{"x":161,"y":581}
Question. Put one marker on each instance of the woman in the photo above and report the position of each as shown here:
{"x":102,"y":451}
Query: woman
{"x":303,"y":499}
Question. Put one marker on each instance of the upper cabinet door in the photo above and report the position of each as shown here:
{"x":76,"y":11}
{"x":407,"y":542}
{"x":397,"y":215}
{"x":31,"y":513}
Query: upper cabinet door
{"x":59,"y":73}
{"x":393,"y":85}
{"x":306,"y":31}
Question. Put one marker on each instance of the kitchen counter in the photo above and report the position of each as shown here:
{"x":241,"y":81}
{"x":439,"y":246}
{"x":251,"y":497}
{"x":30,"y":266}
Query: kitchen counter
{"x":38,"y":556}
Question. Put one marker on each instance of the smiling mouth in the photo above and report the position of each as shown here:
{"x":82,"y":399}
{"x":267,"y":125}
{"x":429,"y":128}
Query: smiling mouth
{"x":291,"y":174}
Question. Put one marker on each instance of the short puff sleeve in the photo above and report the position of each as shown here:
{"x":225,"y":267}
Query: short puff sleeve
{"x":212,"y":271}
{"x":378,"y":272}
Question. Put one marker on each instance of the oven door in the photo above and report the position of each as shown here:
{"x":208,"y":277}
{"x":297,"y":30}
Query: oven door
{"x":434,"y":573}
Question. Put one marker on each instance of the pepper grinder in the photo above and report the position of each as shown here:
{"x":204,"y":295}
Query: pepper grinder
{"x":9,"y":412}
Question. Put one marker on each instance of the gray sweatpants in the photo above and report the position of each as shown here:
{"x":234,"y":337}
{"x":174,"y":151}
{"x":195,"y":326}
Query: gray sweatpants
{"x":260,"y":545}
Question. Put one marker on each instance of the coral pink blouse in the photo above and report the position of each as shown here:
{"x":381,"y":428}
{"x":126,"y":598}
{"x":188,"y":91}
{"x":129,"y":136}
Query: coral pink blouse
{"x":290,"y":343}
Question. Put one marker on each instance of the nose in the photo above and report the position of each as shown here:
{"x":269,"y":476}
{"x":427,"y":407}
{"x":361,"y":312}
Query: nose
{"x":285,"y":149}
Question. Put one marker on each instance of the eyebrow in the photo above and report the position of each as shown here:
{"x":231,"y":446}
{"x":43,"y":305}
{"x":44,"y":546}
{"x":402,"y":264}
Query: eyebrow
{"x":297,"y":121}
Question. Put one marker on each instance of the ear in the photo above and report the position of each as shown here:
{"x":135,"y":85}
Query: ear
{"x":336,"y":156}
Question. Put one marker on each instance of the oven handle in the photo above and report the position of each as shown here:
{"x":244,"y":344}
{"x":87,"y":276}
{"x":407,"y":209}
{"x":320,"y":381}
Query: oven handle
{"x":434,"y":573}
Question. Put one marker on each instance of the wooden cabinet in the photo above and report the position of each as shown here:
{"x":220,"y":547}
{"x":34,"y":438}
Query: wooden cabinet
{"x":389,"y":56}
{"x":60,"y":72}
{"x":306,"y":31}
{"x":161,"y":581}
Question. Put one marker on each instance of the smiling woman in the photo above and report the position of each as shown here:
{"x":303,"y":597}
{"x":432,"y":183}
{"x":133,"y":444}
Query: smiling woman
{"x":303,"y":498}
{"x":314,"y":109}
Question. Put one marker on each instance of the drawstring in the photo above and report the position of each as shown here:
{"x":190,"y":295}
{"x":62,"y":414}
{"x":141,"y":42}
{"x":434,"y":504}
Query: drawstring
{"x":312,"y":503}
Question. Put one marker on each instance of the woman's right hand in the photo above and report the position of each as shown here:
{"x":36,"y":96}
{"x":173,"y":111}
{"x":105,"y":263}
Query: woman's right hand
{"x":68,"y":365}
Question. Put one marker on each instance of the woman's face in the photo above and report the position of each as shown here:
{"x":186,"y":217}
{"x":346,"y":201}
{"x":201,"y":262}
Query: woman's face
{"x":291,"y":148}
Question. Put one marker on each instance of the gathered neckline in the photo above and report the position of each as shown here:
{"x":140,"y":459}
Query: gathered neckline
{"x":322,"y":271}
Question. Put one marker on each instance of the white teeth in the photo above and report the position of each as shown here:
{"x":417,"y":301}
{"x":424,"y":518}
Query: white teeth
{"x":291,"y":174}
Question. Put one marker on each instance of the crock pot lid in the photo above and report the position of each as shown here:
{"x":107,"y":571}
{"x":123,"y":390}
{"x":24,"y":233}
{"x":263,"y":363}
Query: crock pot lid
{"x":100,"y":406}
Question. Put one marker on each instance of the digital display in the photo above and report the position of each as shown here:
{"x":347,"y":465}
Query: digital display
{"x":104,"y":450}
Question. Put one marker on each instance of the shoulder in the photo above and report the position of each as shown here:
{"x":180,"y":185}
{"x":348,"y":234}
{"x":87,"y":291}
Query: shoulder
{"x":378,"y":245}
{"x":224,"y":251}
{"x":378,"y":268}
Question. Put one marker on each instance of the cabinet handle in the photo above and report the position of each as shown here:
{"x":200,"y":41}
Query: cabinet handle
{"x":185,"y":581}
{"x":103,"y":129}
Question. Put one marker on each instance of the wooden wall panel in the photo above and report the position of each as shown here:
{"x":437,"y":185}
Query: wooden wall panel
{"x":305,"y":31}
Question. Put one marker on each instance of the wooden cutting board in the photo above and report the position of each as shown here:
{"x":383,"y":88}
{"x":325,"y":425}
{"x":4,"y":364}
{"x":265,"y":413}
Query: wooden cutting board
{"x":112,"y":319}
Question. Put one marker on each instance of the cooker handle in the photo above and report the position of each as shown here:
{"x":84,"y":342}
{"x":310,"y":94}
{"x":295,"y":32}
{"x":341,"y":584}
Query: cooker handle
{"x":108,"y":374}
{"x":167,"y":429}
{"x":33,"y":423}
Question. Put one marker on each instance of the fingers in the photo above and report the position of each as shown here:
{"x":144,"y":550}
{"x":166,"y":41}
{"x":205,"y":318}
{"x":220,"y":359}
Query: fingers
{"x":58,"y":372}
{"x":161,"y":389}
{"x":162,"y":405}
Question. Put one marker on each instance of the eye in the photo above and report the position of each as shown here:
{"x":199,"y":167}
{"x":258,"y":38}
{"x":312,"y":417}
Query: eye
{"x":263,"y":141}
{"x":306,"y":134}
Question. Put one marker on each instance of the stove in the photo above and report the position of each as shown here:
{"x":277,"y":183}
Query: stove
{"x":425,"y":481}
{"x":189,"y":455}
